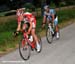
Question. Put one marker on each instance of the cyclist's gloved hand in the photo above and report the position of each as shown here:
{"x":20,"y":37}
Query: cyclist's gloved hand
{"x":16,"y":33}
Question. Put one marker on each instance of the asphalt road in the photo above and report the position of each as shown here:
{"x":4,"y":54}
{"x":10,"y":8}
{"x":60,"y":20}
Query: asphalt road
{"x":59,"y":52}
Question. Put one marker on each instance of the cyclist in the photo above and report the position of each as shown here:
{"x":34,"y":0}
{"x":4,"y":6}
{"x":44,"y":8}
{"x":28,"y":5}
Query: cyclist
{"x":30,"y":24}
{"x":50,"y":16}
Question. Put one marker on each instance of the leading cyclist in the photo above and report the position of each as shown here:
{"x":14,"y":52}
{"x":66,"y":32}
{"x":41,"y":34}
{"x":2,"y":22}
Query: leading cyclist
{"x":50,"y":16}
{"x":30,"y":24}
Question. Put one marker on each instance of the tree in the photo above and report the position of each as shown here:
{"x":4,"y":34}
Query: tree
{"x":37,"y":3}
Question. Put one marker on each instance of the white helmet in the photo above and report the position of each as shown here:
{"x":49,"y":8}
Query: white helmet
{"x":46,"y":6}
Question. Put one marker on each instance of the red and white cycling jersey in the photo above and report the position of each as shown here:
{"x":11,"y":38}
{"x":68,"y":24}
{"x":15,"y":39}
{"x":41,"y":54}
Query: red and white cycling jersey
{"x":28,"y":17}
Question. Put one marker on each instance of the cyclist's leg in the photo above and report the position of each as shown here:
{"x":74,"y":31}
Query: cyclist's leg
{"x":33,"y":32}
{"x":56,"y":27}
{"x":56,"y":24}
{"x":35,"y":36}
{"x":36,"y":39}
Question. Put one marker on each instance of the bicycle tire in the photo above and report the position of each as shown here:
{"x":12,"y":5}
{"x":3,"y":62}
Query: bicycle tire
{"x":23,"y":51}
{"x":49,"y":36}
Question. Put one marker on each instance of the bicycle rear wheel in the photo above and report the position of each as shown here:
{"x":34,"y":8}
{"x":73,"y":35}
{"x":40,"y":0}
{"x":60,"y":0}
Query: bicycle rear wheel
{"x":49,"y":35}
{"x":24,"y":50}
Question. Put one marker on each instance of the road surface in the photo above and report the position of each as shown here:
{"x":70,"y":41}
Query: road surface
{"x":59,"y":52}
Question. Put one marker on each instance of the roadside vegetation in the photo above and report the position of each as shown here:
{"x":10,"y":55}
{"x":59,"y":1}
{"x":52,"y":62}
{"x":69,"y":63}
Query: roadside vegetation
{"x":8,"y":26}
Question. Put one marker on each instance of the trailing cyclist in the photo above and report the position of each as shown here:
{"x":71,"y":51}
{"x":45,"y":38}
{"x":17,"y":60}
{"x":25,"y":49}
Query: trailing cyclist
{"x":50,"y":17}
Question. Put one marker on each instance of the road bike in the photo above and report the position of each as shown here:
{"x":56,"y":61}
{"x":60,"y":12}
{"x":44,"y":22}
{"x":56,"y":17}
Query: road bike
{"x":51,"y":33}
{"x":27,"y":44}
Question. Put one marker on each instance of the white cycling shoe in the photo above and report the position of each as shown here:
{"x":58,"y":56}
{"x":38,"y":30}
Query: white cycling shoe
{"x":57,"y":35}
{"x":38,"y":47}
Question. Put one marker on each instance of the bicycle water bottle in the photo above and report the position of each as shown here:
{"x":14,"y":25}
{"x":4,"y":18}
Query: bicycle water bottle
{"x":31,"y":38}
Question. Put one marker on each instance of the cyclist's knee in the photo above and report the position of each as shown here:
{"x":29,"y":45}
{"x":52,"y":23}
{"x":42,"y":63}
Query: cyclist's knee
{"x":33,"y":31}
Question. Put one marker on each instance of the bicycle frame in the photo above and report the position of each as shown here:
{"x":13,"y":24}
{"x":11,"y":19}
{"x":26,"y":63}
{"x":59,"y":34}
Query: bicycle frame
{"x":32,"y":44}
{"x":50,"y":27}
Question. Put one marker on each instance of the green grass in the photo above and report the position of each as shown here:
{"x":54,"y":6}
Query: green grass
{"x":66,"y":15}
{"x":2,"y":13}
{"x":7,"y":28}
{"x":7,"y":40}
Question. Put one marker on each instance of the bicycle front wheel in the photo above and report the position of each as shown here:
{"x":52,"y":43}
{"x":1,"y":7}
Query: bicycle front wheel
{"x":24,"y":50}
{"x":49,"y":36}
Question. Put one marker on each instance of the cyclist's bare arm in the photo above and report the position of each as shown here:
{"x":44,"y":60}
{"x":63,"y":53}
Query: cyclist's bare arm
{"x":44,"y":19}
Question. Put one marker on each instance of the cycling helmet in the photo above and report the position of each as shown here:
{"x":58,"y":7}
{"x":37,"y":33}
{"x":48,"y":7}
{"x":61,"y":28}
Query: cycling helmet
{"x":46,"y":6}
